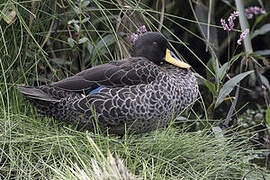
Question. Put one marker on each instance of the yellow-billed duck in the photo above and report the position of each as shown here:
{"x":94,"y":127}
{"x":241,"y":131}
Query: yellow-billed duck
{"x":136,"y":94}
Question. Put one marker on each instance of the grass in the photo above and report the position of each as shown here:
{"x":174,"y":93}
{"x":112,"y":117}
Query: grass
{"x":34,"y":147}
{"x":37,"y":148}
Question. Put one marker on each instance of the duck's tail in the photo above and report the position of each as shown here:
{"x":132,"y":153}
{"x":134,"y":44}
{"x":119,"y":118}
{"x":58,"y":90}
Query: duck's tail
{"x":35,"y":93}
{"x":44,"y":101}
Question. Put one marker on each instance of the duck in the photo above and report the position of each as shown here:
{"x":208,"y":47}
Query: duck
{"x":133,"y":95}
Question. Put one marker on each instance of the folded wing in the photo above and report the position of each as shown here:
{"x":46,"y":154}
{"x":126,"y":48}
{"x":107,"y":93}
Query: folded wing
{"x":120,"y":73}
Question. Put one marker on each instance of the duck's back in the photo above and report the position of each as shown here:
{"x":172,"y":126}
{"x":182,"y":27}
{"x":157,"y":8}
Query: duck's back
{"x":136,"y":94}
{"x":136,"y":108}
{"x":147,"y":104}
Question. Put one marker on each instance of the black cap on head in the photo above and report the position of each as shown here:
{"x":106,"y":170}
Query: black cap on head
{"x":151,"y":45}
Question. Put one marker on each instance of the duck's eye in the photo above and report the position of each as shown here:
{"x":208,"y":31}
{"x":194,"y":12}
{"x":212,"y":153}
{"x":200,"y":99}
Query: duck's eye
{"x":161,"y":63}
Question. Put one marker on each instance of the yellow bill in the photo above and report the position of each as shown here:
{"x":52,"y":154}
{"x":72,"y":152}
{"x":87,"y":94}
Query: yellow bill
{"x":172,"y":59}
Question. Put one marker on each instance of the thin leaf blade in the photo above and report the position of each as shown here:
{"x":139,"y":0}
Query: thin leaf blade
{"x":261,"y":31}
{"x":222,"y":71}
{"x":211,"y":87}
{"x":229,"y":85}
{"x":267,"y":116}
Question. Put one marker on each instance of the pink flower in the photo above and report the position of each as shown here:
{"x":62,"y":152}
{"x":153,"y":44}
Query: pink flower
{"x":231,"y":19}
{"x":142,"y":30}
{"x":136,"y":35}
{"x":242,"y":36}
{"x":133,"y":38}
{"x":224,"y":25}
{"x":254,"y":10}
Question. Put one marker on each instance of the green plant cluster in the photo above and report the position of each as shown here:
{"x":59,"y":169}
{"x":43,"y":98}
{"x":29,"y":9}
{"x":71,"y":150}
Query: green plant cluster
{"x":45,"y":41}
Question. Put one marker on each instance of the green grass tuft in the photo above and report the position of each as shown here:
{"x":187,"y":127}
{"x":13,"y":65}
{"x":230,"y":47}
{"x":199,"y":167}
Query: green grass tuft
{"x":37,"y":48}
{"x":39,"y":149}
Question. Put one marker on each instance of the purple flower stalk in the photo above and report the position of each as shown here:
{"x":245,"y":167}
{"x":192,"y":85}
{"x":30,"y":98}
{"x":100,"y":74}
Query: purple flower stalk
{"x":254,"y":10}
{"x":230,"y":20}
{"x":224,"y":25}
{"x":142,"y":30}
{"x":136,"y":35}
{"x":242,"y":36}
{"x":133,"y":38}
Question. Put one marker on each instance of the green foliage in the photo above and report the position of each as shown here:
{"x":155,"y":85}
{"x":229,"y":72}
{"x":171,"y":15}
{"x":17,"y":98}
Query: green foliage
{"x":221,"y":89}
{"x":40,"y":149}
{"x":267,"y":116}
{"x":221,"y":72}
{"x":44,"y":41}
{"x":261,"y":31}
{"x":229,"y":86}
{"x":211,"y":87}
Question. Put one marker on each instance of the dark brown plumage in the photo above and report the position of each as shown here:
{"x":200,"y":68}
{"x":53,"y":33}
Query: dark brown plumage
{"x":137,"y":94}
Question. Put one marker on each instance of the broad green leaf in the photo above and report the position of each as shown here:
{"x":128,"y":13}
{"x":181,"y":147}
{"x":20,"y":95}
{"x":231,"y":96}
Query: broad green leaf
{"x":105,"y":41}
{"x":89,"y":47}
{"x":83,"y":40}
{"x":76,"y":9}
{"x":103,"y":44}
{"x":258,"y":20}
{"x":267,"y":116}
{"x":85,"y":4}
{"x":73,"y":21}
{"x":214,"y":64}
{"x":211,"y":70}
{"x":77,"y":27}
{"x":71,"y":42}
{"x":261,"y":31}
{"x":85,"y":20}
{"x":211,"y":87}
{"x":265,"y":52}
{"x":229,"y":85}
{"x":222,"y":71}
{"x":236,"y":57}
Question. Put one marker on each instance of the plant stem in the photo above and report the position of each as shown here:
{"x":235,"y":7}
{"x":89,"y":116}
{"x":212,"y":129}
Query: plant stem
{"x":161,"y":19}
{"x":247,"y":41}
{"x":244,"y":24}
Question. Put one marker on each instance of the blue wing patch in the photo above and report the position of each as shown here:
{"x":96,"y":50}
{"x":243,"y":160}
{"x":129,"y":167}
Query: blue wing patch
{"x":96,"y":90}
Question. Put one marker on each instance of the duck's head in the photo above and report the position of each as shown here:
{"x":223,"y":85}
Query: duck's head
{"x":155,"y":47}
